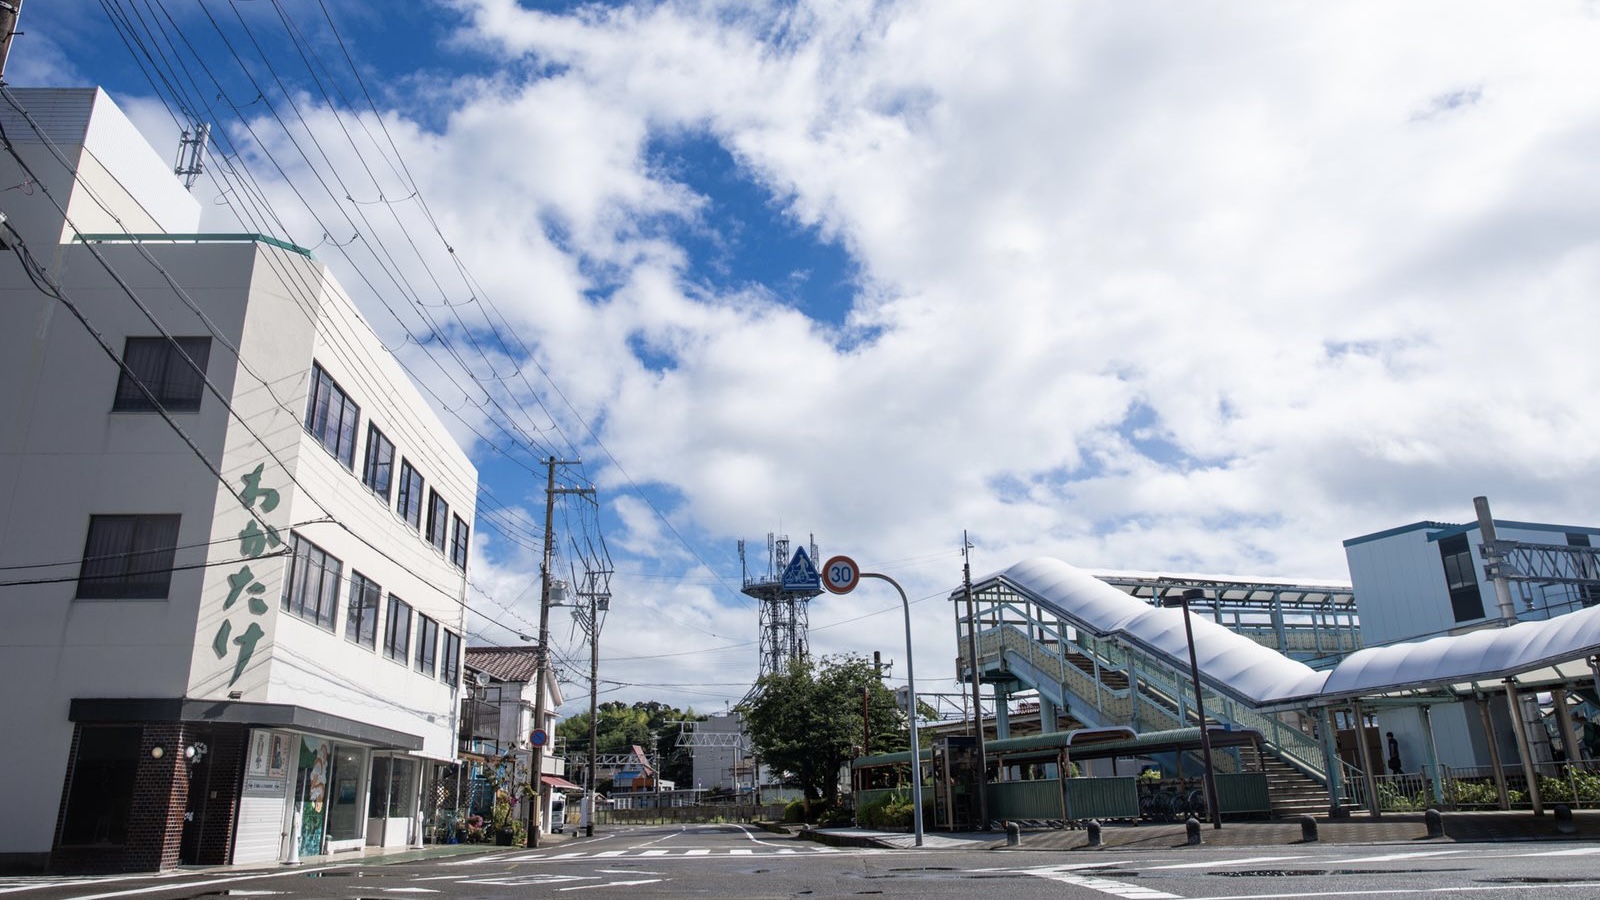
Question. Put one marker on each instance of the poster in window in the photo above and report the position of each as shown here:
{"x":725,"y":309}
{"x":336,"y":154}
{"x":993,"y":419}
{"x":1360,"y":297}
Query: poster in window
{"x":260,"y":751}
{"x":278,"y":757}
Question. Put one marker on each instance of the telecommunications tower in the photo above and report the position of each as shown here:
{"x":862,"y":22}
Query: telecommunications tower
{"x":783,"y":591}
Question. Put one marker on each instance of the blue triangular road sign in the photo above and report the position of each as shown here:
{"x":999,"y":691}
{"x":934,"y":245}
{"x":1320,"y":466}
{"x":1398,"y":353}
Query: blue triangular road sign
{"x":801,"y":574}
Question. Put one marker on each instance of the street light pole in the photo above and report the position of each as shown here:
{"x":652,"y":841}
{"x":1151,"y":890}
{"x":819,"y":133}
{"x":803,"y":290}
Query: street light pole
{"x":911,"y":686}
{"x":1199,"y":702}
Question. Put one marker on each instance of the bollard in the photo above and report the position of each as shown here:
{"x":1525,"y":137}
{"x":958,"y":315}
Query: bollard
{"x":1308,"y":830}
{"x":1093,"y":827}
{"x":1192,"y":827}
{"x":1013,"y":834}
{"x":1435,"y":823}
{"x":1564,"y":823}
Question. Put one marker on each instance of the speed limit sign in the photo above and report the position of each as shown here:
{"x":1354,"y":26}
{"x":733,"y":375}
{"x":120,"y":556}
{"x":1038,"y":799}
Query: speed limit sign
{"x":840,"y":575}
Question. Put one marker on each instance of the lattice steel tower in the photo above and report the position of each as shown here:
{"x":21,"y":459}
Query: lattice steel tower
{"x":783,"y":590}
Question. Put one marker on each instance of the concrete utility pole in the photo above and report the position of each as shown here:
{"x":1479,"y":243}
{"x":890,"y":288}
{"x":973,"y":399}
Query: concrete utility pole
{"x":10,"y":12}
{"x":542,"y":669}
{"x":977,"y":688}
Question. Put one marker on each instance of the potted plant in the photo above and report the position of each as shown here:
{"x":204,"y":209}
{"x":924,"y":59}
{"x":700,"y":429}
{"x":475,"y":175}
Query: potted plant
{"x":504,"y":823}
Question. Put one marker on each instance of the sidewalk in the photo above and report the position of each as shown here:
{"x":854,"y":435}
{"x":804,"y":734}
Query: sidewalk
{"x":1392,"y":828}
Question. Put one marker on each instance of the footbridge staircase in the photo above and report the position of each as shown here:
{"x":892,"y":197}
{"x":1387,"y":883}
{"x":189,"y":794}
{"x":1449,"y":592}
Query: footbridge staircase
{"x":1027,"y":641}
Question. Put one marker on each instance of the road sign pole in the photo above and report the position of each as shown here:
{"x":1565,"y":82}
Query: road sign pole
{"x":840,"y":575}
{"x":911,"y":684}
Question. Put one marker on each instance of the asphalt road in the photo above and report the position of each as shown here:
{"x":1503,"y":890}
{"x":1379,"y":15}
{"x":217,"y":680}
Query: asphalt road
{"x":728,"y":861}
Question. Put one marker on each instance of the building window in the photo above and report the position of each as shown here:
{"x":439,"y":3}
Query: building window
{"x":409,"y":503}
{"x":331,"y":417}
{"x":128,"y":558}
{"x":450,"y":659}
{"x":438,"y":520}
{"x":100,"y":796}
{"x":312,"y":589}
{"x":427,"y":645}
{"x":397,"y":630}
{"x":361,"y":614}
{"x":378,"y":469}
{"x":1466,"y":603}
{"x":159,"y":364}
{"x":458,"y":544}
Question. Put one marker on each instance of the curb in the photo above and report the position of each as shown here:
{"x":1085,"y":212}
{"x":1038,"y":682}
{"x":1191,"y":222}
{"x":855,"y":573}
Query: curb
{"x":845,"y":840}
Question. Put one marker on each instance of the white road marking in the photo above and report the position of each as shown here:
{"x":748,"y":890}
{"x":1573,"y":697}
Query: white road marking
{"x":1389,"y":857}
{"x":382,"y":890}
{"x":1464,"y":889}
{"x":522,"y":880}
{"x":1103,"y":885}
{"x":585,"y":887}
{"x":251,"y":876}
{"x":608,"y":854}
{"x":1227,"y":862}
{"x":747,"y":852}
{"x":665,"y":852}
{"x":708,"y":852}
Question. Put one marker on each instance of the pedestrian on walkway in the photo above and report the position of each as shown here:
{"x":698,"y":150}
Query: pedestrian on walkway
{"x":1394,"y":755}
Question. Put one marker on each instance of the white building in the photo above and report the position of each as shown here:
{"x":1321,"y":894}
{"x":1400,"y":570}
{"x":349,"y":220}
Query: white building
{"x":1427,"y":579}
{"x":497,"y":722}
{"x":234,"y":598}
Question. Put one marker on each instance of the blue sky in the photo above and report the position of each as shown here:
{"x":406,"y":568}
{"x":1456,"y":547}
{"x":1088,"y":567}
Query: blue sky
{"x":1211,"y":288}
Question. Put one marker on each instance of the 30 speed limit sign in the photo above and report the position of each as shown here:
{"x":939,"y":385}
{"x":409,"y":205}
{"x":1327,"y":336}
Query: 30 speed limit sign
{"x":840,"y":575}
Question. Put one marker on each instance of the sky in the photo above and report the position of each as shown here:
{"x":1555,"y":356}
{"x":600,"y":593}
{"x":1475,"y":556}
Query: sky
{"x":1203,"y":288}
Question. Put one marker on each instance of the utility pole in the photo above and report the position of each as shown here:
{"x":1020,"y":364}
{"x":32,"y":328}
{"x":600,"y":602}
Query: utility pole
{"x":977,"y":689}
{"x":10,"y":12}
{"x":542,"y":669}
{"x":597,"y":590}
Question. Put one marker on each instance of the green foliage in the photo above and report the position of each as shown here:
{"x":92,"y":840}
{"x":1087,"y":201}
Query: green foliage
{"x":807,"y":721}
{"x":1574,"y":786}
{"x":1482,"y":793}
{"x":889,"y":811}
{"x":794,"y":811}
{"x":647,"y":724}
{"x":1392,"y":799}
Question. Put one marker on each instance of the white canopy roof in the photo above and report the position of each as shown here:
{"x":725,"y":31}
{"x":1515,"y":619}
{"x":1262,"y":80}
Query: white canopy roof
{"x":1263,"y":677}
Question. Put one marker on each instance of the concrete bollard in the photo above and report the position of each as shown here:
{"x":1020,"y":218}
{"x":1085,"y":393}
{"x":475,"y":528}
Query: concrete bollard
{"x":1192,"y":828}
{"x":1093,"y":827}
{"x":1435,"y":823}
{"x":1564,"y":823}
{"x":1013,"y":834}
{"x":1308,"y":830}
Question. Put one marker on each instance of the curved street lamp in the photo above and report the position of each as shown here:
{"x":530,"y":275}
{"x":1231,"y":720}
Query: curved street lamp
{"x":1182,"y":599}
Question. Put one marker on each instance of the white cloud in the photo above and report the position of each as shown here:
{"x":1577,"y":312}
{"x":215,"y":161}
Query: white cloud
{"x":1208,"y":288}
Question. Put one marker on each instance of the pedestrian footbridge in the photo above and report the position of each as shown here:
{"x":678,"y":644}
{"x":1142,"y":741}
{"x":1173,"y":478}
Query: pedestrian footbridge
{"x":1109,"y":658}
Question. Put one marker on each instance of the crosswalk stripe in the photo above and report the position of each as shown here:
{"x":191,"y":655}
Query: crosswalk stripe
{"x":1389,"y":857}
{"x":607,"y":854}
{"x":1105,"y":886}
{"x":655,"y":853}
{"x":745,"y":852}
{"x":701,"y":852}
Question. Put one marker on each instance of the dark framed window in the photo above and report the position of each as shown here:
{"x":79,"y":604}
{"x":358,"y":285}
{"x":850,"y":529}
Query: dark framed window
{"x":450,"y":659}
{"x":378,"y":468}
{"x":331,"y":417}
{"x":427,"y":655}
{"x":159,"y":363}
{"x":1466,"y":601}
{"x":438,"y":520}
{"x":459,"y":541}
{"x":397,"y":630}
{"x":100,"y":796}
{"x":409,"y":503}
{"x":128,"y":558}
{"x":312,"y":589}
{"x":361,"y":611}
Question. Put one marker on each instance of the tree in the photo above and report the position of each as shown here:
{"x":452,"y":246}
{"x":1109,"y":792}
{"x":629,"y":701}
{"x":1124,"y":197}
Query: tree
{"x":807,"y":720}
{"x":647,"y":724}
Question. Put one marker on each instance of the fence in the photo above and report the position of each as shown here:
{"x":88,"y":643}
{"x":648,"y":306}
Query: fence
{"x":690,"y":815}
{"x":1465,"y":789}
